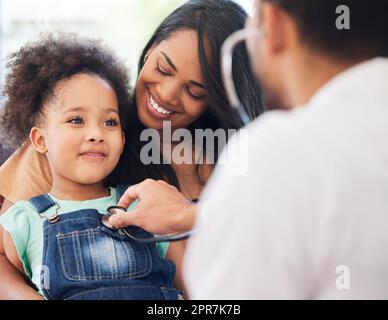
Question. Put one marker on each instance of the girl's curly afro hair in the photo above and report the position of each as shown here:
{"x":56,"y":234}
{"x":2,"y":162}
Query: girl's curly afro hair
{"x":37,"y":67}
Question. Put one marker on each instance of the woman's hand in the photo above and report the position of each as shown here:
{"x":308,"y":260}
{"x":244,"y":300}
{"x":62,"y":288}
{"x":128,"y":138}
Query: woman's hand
{"x":162,"y":209}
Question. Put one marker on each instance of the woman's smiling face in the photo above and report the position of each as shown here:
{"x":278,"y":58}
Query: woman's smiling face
{"x":170,"y":86}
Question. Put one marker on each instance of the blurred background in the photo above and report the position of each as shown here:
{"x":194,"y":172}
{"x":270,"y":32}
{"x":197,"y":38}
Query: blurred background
{"x":124,"y":25}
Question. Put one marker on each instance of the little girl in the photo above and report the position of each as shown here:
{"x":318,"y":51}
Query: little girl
{"x":70,"y":97}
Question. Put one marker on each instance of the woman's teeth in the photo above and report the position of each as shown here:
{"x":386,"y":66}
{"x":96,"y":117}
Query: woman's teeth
{"x":157,"y":108}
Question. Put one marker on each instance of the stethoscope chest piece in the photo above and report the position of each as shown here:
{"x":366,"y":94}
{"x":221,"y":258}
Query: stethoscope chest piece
{"x":137,"y":234}
{"x":110,"y":212}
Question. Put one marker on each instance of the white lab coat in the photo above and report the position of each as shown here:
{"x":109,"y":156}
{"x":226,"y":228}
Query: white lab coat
{"x":309,"y":217}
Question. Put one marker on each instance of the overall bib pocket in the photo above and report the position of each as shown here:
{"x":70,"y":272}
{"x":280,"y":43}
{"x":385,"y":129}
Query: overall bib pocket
{"x":101,"y":254}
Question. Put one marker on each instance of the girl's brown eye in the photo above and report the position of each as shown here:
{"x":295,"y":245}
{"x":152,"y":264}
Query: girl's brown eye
{"x":75,"y":120}
{"x":112,"y":123}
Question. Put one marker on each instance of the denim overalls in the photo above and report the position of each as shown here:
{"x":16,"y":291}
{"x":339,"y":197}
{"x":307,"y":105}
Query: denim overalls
{"x":84,"y":260}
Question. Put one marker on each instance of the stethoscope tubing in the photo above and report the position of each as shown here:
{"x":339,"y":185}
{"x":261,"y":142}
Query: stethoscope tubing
{"x":161,"y":238}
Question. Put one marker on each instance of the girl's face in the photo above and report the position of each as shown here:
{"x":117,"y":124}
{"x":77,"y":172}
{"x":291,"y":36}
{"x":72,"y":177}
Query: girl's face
{"x":82,"y":134}
{"x":171,"y":86}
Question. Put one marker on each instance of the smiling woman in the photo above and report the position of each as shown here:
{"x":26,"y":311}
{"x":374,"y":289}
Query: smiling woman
{"x":180,"y":81}
{"x":171,"y":86}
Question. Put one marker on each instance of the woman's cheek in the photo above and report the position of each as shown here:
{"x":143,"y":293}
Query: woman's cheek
{"x":198,"y":110}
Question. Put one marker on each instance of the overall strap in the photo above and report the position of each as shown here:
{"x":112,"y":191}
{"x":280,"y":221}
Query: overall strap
{"x":43,"y":203}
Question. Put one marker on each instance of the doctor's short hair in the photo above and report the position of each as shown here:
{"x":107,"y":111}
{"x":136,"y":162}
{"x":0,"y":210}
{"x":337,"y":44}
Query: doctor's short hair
{"x":317,"y":21}
{"x":36,"y":68}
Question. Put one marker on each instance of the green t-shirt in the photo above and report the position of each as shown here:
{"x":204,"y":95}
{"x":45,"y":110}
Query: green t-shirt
{"x":25,"y":226}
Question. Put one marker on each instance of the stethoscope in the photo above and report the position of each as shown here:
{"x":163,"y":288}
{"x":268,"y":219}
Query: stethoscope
{"x":146,"y":239}
{"x":227,"y":74}
{"x":227,"y":68}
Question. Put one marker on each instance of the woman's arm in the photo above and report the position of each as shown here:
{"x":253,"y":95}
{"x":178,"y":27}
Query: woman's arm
{"x":13,"y":286}
{"x":175,"y":253}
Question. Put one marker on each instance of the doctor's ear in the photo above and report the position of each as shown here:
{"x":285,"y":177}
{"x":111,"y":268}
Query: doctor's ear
{"x":38,"y":140}
{"x":281,"y":30}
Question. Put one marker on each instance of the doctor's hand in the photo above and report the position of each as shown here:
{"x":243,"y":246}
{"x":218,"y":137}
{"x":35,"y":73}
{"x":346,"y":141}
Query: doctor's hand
{"x":161,"y":208}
